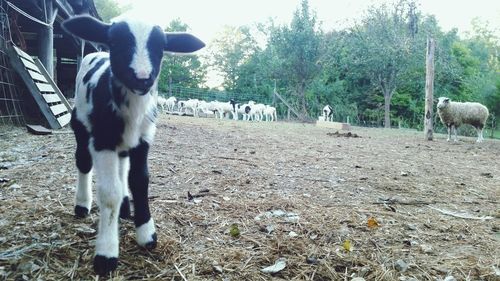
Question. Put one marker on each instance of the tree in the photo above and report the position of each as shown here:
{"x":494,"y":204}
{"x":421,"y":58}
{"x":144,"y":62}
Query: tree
{"x":108,"y":9}
{"x":297,"y":51}
{"x":232,"y":49}
{"x":181,"y":70}
{"x":382,"y":44}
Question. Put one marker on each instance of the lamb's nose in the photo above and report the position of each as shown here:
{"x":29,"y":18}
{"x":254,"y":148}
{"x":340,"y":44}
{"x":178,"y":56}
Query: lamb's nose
{"x":142,"y":74}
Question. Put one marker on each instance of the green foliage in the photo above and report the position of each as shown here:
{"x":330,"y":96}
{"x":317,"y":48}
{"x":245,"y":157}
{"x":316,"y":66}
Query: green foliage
{"x":181,"y":70}
{"x":108,"y":9}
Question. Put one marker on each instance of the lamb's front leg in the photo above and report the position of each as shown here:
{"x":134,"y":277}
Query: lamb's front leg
{"x":109,"y":198}
{"x":124,"y":168}
{"x":139,"y":182}
{"x":83,"y":196}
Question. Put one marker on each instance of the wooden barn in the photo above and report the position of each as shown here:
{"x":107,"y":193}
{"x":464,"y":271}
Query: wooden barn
{"x":39,"y":60}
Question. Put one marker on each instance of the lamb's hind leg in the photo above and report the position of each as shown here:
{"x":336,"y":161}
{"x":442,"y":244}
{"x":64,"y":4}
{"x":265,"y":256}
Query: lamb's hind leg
{"x":109,"y":198}
{"x":139,"y":182}
{"x":83,"y":196}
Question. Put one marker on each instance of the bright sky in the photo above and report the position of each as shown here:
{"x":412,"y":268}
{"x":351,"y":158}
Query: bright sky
{"x":206,"y":18}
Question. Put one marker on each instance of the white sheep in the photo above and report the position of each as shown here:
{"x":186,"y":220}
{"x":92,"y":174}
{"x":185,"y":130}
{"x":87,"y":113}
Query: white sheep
{"x":454,"y":114}
{"x":227,"y":107}
{"x":270,"y":113}
{"x":192,"y":104}
{"x":170,"y":103}
{"x":114,"y":124}
{"x":161,"y":101}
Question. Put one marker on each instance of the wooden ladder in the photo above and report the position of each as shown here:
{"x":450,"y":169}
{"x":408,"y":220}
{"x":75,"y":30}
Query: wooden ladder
{"x":52,"y":103}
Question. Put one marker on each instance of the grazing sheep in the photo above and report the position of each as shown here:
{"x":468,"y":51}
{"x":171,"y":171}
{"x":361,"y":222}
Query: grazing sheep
{"x":242,"y":109}
{"x":227,"y":107}
{"x":327,"y":113}
{"x":192,"y":104}
{"x":270,"y":113}
{"x":170,"y":103}
{"x":454,"y":114}
{"x":114,"y":124}
{"x":162,"y":102}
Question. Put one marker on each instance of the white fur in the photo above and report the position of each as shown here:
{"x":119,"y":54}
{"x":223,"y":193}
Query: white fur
{"x":109,"y":198}
{"x":270,"y":113}
{"x":84,"y":190}
{"x":141,"y":63}
{"x":144,"y":232}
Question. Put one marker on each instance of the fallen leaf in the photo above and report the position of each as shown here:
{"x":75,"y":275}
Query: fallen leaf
{"x":234,"y":231}
{"x":347,"y":245}
{"x":278,"y":266}
{"x":372,"y":223}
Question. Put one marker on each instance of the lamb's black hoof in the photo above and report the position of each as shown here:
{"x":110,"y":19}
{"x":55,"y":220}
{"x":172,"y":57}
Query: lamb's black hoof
{"x":103,"y":265}
{"x":125,"y":209}
{"x":81,"y":212}
{"x":152,"y":245}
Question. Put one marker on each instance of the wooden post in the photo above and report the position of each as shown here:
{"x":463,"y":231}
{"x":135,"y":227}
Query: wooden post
{"x":170,"y":86}
{"x":429,"y":89}
{"x":46,"y":38}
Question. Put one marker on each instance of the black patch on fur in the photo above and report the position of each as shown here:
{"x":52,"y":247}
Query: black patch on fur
{"x":138,"y":180}
{"x":89,"y":91}
{"x":92,"y":71}
{"x":92,"y":60}
{"x":82,"y":154}
{"x":152,"y":245}
{"x":81,"y":212}
{"x":125,"y":208}
{"x":123,"y":154}
{"x":247,"y":109}
{"x":103,"y":265}
{"x":107,"y":126}
{"x":117,"y":94}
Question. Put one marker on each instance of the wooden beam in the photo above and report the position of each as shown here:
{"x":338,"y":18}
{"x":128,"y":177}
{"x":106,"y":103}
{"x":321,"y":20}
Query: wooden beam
{"x":300,"y":116}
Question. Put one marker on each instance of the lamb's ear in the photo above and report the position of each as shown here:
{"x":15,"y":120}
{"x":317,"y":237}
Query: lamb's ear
{"x":87,"y":28}
{"x":446,"y":100}
{"x":182,"y":42}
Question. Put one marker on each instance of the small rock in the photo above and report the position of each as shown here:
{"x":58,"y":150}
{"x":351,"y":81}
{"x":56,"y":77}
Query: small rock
{"x":293,"y":234}
{"x":427,"y":249}
{"x":401,"y":266}
{"x":411,"y":226}
{"x":28,"y":267}
{"x":358,"y":279}
{"x":404,"y":174}
{"x":450,"y":278}
{"x":312,"y":260}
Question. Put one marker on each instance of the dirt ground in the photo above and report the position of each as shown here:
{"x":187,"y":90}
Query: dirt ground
{"x":386,"y":205}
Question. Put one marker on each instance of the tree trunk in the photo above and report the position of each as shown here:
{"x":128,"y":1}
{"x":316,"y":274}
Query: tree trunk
{"x":429,"y":90}
{"x":387,"y":109}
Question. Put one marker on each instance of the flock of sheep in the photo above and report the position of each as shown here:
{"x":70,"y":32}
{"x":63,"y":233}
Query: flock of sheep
{"x":249,"y":111}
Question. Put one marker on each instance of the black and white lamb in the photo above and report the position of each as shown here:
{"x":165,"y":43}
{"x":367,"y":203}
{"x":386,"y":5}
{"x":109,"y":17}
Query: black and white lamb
{"x":454,"y":114}
{"x":114,"y":124}
{"x":327,"y":113}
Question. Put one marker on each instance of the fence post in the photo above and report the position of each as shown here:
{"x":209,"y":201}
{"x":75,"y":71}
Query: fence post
{"x":429,"y":89}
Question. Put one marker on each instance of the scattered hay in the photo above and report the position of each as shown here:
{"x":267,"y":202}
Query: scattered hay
{"x":209,"y":175}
